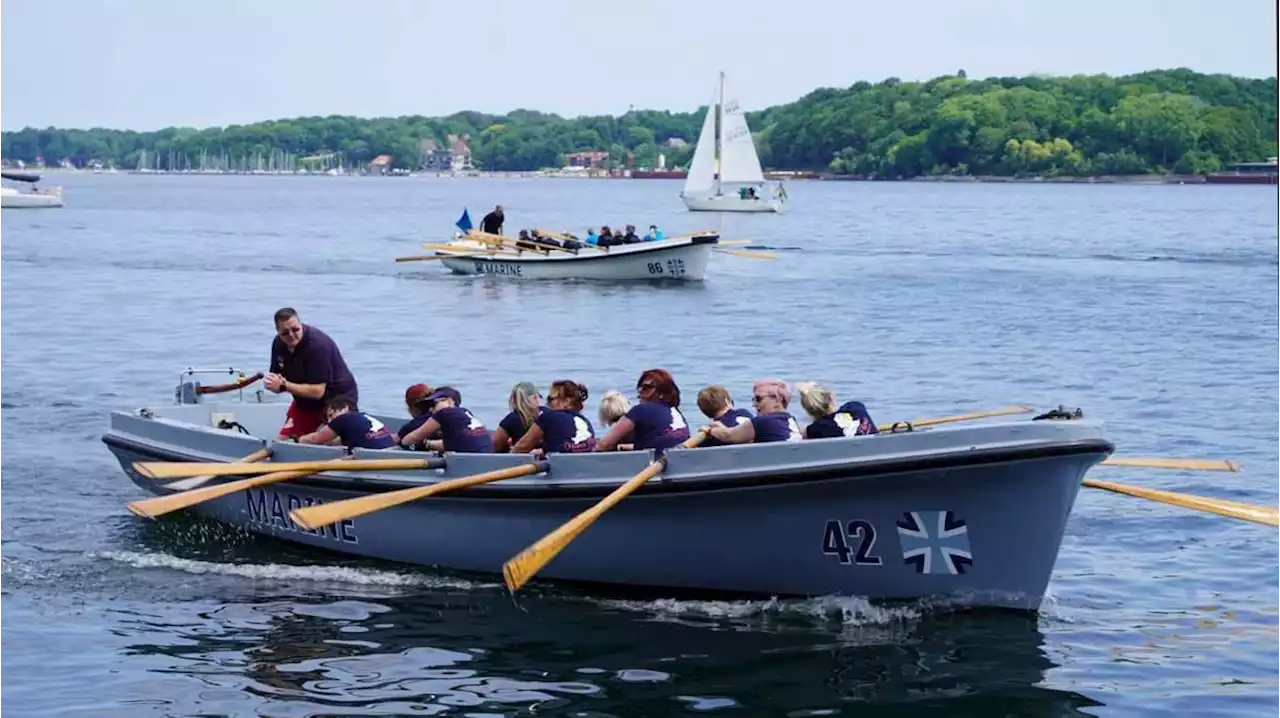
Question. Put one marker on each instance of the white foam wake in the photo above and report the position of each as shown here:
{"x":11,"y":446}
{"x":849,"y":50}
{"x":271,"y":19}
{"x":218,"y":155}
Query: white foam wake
{"x":846,"y":610}
{"x":289,"y":572}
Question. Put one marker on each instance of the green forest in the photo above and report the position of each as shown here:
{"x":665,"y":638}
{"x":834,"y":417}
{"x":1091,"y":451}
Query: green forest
{"x":1160,"y":121}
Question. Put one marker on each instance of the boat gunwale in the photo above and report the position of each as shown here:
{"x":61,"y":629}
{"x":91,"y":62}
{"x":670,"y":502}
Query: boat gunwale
{"x":364,"y":483}
{"x":634,"y":249}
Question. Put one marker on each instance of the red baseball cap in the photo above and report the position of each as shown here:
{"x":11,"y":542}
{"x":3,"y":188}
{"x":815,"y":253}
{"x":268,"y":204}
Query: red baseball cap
{"x":416,"y":393}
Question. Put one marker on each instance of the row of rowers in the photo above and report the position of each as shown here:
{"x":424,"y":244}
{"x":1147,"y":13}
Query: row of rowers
{"x":441,"y":423}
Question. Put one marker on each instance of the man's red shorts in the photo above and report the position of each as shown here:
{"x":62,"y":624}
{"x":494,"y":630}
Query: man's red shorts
{"x":301,"y":421}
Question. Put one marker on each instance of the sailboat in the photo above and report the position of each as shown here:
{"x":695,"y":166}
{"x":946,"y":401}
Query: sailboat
{"x":727,"y":158}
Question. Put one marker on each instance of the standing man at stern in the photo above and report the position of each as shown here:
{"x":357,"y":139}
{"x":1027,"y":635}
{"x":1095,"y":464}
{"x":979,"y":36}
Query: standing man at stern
{"x":306,"y":363}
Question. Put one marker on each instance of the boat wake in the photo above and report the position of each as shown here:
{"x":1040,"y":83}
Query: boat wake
{"x":289,"y":572}
{"x":846,"y":611}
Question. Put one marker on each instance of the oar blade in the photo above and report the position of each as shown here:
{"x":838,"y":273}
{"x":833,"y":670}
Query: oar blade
{"x":1185,"y":464}
{"x":160,"y":505}
{"x":749,"y":254}
{"x":518,"y":570}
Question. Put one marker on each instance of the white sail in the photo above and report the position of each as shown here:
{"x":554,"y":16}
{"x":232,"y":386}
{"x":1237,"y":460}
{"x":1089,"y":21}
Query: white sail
{"x":702,"y":169}
{"x":739,"y":163}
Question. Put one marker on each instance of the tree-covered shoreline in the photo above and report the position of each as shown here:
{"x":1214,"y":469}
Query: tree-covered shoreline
{"x":1162,"y":121}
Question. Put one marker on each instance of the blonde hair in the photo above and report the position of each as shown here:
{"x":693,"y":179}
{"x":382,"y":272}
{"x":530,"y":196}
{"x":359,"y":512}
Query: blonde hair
{"x":613,"y":407}
{"x":524,"y":401}
{"x":815,"y":398}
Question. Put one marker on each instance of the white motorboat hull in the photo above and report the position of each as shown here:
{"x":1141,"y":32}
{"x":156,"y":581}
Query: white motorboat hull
{"x":13,"y":199}
{"x":730,"y":203}
{"x":682,"y":259}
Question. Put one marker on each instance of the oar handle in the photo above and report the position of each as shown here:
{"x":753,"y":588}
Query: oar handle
{"x":220,"y":388}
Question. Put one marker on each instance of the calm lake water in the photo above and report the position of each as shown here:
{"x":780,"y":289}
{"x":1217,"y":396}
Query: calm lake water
{"x":1154,"y":308}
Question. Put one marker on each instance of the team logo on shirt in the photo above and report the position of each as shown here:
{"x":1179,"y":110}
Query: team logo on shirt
{"x":581,"y":430}
{"x":851,"y":426}
{"x":793,"y":430}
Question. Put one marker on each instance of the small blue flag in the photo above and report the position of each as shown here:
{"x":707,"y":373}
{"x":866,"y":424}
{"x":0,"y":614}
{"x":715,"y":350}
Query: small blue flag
{"x":464,"y":222}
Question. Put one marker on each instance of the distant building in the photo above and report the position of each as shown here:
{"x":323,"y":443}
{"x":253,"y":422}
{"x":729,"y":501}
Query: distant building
{"x":460,"y":152}
{"x":586,"y":160}
{"x":676,"y":142}
{"x":380,"y":165}
{"x":454,"y":157}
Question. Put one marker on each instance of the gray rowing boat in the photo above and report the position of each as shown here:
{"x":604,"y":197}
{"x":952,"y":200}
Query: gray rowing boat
{"x":972,"y":514}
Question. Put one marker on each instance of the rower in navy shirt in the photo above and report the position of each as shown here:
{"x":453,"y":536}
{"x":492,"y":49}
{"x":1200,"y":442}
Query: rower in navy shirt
{"x":415,"y":400}
{"x":525,"y":404}
{"x":459,"y":430}
{"x":850,"y":419}
{"x":656,"y":422}
{"x":561,"y":428}
{"x":772,"y":422}
{"x":353,"y":428}
{"x":717,"y":405}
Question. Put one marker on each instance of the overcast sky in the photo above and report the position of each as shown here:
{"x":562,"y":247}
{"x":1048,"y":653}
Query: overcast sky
{"x":146,"y":64}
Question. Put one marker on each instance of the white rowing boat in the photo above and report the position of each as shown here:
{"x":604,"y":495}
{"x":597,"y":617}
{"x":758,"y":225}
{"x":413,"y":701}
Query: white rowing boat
{"x":678,"y":258}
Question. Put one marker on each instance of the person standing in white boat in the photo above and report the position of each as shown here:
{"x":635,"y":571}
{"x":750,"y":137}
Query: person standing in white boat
{"x":492,"y":222}
{"x":306,"y":363}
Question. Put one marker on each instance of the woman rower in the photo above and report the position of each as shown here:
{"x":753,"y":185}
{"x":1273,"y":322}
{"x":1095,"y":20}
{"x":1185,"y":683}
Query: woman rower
{"x":613,"y":407}
{"x":352,"y":428}
{"x":561,"y":428}
{"x":656,"y":422}
{"x":419,"y":411}
{"x":459,"y":430}
{"x":850,"y":419}
{"x":772,"y":421}
{"x":525,"y":404}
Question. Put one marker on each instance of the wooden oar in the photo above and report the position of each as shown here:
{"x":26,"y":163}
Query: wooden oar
{"x":564,"y":237}
{"x":313,"y":517}
{"x":1187,"y":464}
{"x":195,"y":481}
{"x":151,"y":508}
{"x":182,"y":469}
{"x":961,"y":417}
{"x":428,"y":258}
{"x":512,"y":242}
{"x":747,"y":253}
{"x":524,"y":565}
{"x":1258,"y":514}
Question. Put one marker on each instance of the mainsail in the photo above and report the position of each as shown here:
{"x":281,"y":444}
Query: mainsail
{"x":731,"y":151}
{"x":739,"y":163}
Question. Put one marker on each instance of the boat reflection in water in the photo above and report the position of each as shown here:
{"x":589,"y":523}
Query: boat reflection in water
{"x":447,"y":643}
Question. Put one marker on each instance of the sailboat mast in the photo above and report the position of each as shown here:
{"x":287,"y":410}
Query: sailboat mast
{"x":719,"y":131}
